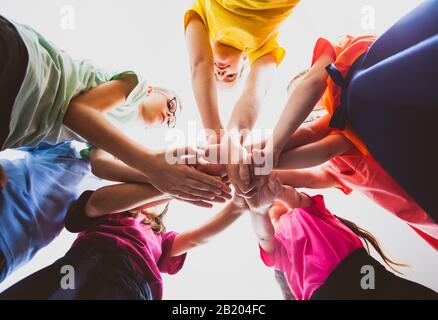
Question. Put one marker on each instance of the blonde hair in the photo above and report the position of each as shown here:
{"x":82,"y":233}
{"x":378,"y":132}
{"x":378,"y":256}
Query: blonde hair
{"x":170,"y":93}
{"x":157,"y":223}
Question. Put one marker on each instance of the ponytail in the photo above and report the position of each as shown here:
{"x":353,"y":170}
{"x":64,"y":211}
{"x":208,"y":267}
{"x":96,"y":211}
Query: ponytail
{"x":369,"y":238}
{"x":157,"y":223}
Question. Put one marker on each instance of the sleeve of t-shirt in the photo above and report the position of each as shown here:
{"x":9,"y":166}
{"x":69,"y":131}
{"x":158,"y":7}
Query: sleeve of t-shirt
{"x":323,"y":46}
{"x":271,"y":46}
{"x":168,"y":264}
{"x":126,"y":114}
{"x":273,"y":259}
{"x":76,"y":220}
{"x":197,"y":8}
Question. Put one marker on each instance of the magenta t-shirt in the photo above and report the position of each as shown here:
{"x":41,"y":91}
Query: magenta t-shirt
{"x":148,"y":251}
{"x":309,"y":244}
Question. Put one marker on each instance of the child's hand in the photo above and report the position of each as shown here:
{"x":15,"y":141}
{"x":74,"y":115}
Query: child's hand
{"x":268,"y":188}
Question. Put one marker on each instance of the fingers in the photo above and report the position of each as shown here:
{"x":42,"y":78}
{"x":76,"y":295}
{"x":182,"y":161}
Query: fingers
{"x":199,"y":194}
{"x":211,"y":184}
{"x":188,"y":196}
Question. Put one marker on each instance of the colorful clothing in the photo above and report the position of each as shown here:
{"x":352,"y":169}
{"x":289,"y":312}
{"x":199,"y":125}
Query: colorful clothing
{"x":250,"y":25}
{"x":309,"y":244}
{"x":52,"y":80}
{"x":363,"y":173}
{"x":43,"y":181}
{"x":346,"y":52}
{"x":149,"y":252}
{"x":392,"y":103}
{"x":100,"y":273}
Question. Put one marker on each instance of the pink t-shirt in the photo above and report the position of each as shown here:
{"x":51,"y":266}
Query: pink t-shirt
{"x":309,"y":244}
{"x":148,"y":251}
{"x":364,"y":174}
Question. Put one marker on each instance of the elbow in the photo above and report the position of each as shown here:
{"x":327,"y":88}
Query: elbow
{"x":199,"y":64}
{"x":97,"y":168}
{"x":92,"y":208}
{"x":96,"y":171}
{"x":197,"y":243}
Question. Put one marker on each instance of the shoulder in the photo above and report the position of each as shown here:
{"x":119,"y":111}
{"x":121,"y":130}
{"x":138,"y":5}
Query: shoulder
{"x":195,"y":13}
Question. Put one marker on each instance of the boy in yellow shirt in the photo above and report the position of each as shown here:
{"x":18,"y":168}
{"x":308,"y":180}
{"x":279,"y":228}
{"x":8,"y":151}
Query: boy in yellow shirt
{"x":220,"y":35}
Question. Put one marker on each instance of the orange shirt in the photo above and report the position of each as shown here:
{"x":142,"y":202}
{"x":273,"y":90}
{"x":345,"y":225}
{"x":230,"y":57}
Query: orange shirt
{"x":346,"y":53}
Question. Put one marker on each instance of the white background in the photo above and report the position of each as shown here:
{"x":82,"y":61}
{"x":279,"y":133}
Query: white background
{"x":148,"y":36}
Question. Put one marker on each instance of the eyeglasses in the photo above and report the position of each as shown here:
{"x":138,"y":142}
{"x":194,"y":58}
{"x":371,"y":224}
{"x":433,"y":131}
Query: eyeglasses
{"x":172,"y":106}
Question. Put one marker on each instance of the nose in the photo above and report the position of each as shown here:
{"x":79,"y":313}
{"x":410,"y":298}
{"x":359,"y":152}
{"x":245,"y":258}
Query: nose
{"x":220,"y":73}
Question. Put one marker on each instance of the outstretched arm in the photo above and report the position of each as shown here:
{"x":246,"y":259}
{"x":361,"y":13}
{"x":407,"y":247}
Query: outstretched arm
{"x":320,"y":179}
{"x":310,"y":134}
{"x":203,"y":79}
{"x":107,"y":167}
{"x":199,"y":236}
{"x":248,"y":106}
{"x":300,"y":104}
{"x":314,"y":154}
{"x":244,"y":117}
{"x":84,"y":116}
{"x":264,"y":230}
{"x":122,"y":197}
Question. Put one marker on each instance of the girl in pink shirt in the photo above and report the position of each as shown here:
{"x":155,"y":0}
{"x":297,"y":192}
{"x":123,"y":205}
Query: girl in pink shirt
{"x":321,"y":255}
{"x":122,"y":250}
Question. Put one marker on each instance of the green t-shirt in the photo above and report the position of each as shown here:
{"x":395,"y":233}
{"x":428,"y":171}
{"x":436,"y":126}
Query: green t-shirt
{"x":52,"y":80}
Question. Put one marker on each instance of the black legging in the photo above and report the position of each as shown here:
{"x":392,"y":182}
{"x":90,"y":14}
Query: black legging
{"x":350,"y":281}
{"x":392,"y":103}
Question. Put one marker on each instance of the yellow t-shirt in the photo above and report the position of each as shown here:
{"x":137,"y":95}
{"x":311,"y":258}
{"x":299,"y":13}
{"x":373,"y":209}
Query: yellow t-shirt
{"x":248,"y":25}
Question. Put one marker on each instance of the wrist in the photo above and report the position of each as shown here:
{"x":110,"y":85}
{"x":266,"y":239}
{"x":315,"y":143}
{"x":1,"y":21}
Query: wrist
{"x":148,"y":161}
{"x":262,"y":210}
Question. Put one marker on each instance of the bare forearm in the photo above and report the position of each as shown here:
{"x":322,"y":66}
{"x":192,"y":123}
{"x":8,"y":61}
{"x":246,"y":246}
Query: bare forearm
{"x":120,"y":198}
{"x":263,"y":229}
{"x":310,"y":134}
{"x":306,"y":179}
{"x":113,"y":170}
{"x":245,"y":115}
{"x":314,"y":154}
{"x":248,"y":106}
{"x":298,"y":107}
{"x":204,"y":88}
{"x":92,"y":126}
